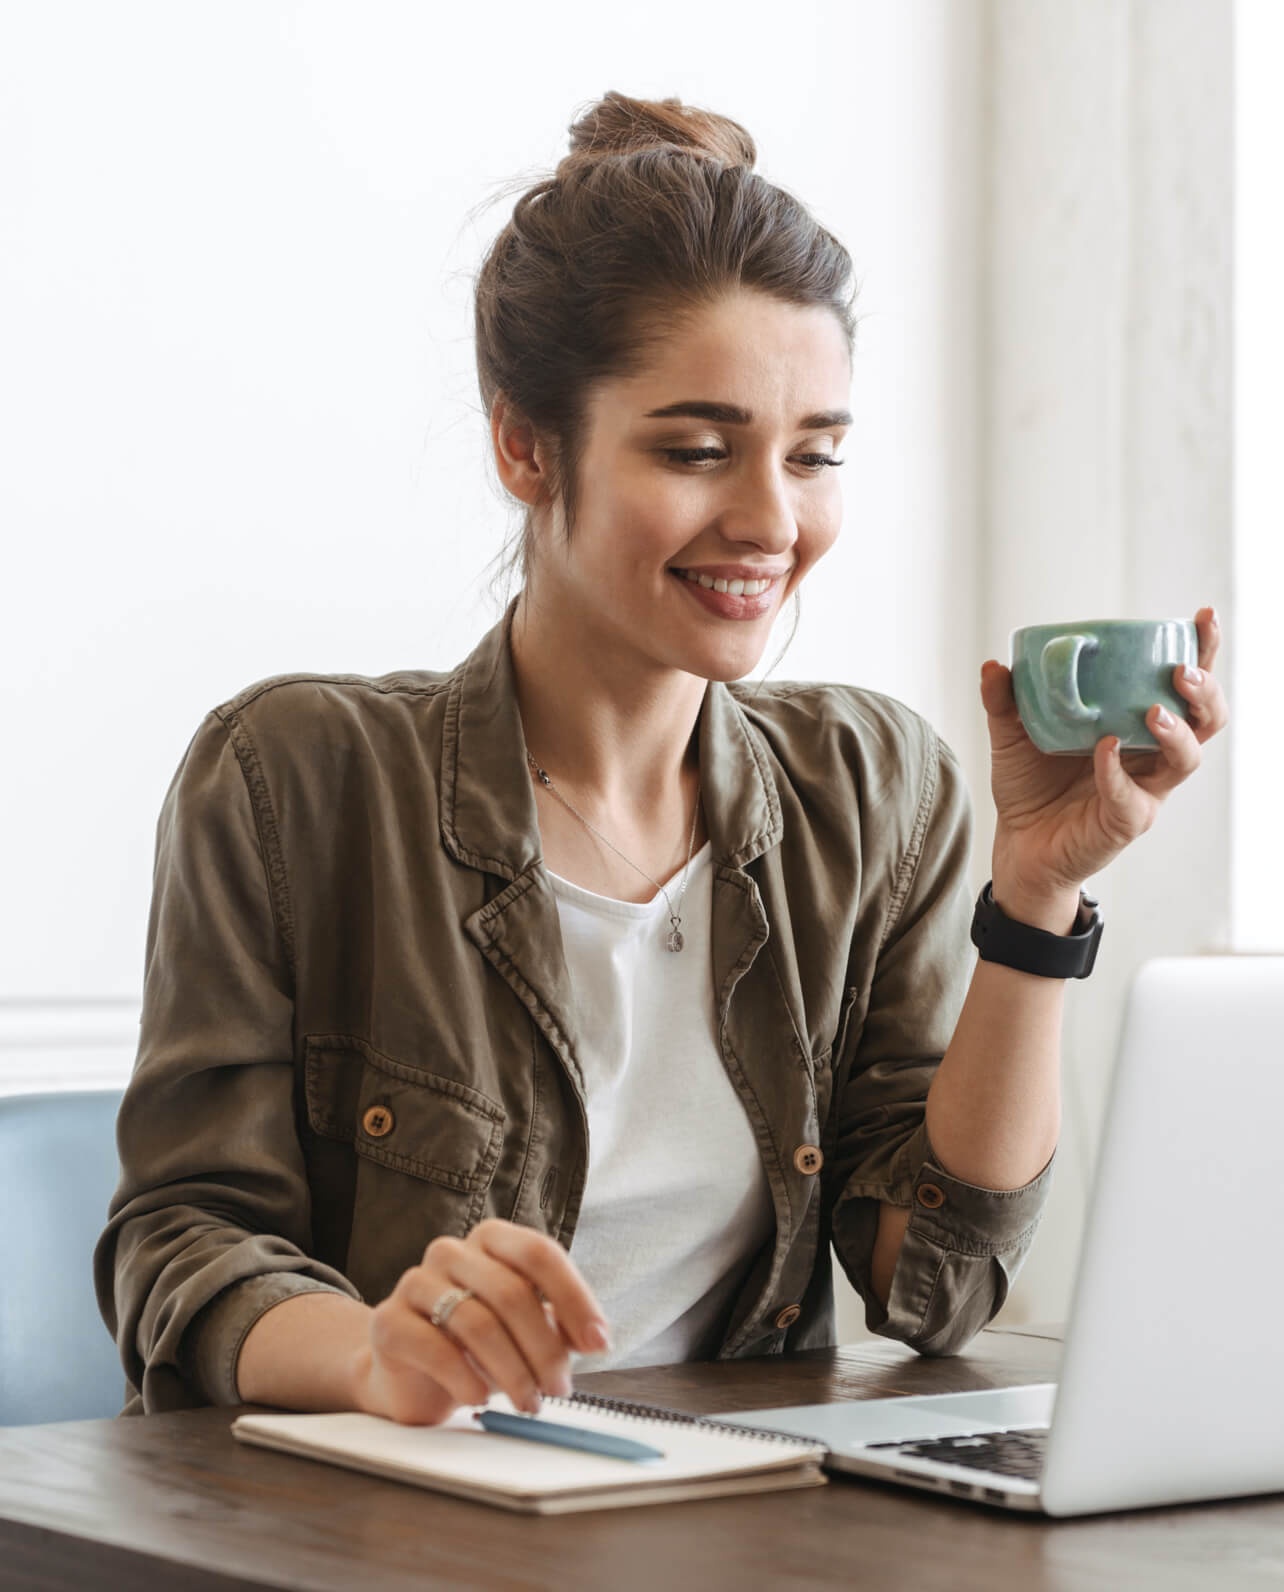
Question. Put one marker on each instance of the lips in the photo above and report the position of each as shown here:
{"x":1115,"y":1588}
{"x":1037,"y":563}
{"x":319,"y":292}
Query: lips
{"x":716,"y":593}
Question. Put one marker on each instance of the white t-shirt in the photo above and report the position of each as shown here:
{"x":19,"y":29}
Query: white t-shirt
{"x":676,"y":1202}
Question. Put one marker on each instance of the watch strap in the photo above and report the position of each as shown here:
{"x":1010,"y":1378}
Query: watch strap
{"x":1001,"y":939}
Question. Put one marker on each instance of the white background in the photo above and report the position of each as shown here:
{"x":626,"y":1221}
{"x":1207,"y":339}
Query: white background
{"x":241,"y":421}
{"x":1258,"y":861}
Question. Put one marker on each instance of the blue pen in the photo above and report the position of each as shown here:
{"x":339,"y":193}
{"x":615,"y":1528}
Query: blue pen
{"x":537,"y":1431}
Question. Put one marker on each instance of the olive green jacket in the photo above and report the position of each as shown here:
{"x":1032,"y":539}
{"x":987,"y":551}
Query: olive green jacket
{"x":358,"y":1031}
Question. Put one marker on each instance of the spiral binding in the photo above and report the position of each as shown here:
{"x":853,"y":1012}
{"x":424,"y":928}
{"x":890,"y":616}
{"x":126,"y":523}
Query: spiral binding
{"x":657,"y":1412}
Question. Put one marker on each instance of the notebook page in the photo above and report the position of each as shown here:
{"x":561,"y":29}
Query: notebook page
{"x":459,"y":1451}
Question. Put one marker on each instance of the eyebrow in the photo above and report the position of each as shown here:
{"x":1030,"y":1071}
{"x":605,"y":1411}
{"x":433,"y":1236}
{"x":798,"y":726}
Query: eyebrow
{"x":733,"y":415}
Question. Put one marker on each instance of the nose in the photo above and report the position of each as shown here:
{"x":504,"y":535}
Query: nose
{"x":759,"y":510}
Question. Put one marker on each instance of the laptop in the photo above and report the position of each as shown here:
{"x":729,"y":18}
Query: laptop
{"x":1172,"y":1379}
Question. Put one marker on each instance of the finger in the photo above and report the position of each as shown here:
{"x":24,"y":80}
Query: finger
{"x":474,"y":1328}
{"x":403,"y":1337}
{"x":514,"y":1303}
{"x":1178,"y":752}
{"x":1206,"y":699}
{"x":1208,"y":629}
{"x":549,"y":1269}
{"x":1124,"y":804}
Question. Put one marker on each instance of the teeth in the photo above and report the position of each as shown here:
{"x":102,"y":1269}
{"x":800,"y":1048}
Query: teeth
{"x":735,"y":588}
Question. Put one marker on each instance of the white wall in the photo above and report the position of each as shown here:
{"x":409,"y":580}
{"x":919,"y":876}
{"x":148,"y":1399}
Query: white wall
{"x":238,"y":398}
{"x":1258,"y":767}
{"x":1107,"y":478}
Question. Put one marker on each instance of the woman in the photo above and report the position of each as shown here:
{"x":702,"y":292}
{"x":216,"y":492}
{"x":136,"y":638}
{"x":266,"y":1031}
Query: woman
{"x":576,"y":993}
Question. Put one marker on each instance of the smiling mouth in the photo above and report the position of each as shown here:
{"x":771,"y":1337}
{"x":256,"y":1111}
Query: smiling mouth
{"x":734,"y":588}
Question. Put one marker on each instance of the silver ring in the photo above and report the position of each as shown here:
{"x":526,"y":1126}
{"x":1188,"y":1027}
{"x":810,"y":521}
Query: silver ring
{"x":446,"y":1306}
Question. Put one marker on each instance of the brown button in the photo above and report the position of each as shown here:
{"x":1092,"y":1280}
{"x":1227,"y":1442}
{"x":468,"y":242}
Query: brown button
{"x":808,"y":1159}
{"x":928,"y":1194}
{"x":788,"y":1315}
{"x":377,"y":1121}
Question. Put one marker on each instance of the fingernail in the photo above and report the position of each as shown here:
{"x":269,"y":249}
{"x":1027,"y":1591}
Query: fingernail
{"x":1164,"y":719}
{"x":1191,"y":676}
{"x":597,"y":1335}
{"x":562,"y":1384}
{"x":533,"y":1403}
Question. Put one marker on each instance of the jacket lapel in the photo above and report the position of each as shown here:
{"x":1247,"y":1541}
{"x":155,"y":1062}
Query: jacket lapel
{"x":489,"y":822}
{"x":757,"y":1037}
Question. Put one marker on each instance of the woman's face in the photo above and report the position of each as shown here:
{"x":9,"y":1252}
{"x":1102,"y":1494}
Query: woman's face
{"x":713,"y":464}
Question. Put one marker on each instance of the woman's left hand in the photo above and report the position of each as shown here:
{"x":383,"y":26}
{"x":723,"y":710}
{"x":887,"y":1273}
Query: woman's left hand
{"x":1062,"y":819}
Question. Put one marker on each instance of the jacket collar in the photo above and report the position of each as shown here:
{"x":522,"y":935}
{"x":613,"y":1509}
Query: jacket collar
{"x":488,"y":816}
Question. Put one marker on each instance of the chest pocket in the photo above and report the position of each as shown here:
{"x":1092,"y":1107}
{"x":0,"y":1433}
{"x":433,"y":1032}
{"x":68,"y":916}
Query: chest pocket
{"x":427,"y":1127}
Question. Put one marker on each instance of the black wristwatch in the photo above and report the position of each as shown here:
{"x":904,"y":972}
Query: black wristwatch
{"x":999,"y":939}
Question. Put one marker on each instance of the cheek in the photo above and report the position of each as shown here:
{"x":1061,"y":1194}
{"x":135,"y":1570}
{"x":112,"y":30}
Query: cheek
{"x":820,"y":530}
{"x":655,"y":522}
{"x":627,"y":538}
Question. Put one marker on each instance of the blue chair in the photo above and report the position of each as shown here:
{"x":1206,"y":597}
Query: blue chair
{"x":58,"y":1171}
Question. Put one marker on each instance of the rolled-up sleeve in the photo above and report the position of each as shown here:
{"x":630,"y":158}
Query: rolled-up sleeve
{"x":210,"y":1224}
{"x":964,"y":1245}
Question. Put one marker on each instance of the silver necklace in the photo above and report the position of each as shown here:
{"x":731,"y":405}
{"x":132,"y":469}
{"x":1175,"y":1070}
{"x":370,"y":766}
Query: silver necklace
{"x":673,"y":941}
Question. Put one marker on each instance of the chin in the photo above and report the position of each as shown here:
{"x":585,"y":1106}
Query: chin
{"x":726,"y":666}
{"x":728,"y":676}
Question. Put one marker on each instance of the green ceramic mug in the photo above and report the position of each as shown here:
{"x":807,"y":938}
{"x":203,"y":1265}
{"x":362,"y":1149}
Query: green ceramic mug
{"x":1075,"y":683}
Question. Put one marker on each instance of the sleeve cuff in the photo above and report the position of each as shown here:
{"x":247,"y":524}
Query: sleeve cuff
{"x":212,"y":1344}
{"x":968,"y":1220}
{"x":961,"y":1253}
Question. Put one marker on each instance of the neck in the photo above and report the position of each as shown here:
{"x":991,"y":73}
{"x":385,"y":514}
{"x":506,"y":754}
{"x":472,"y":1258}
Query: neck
{"x":603,"y":722}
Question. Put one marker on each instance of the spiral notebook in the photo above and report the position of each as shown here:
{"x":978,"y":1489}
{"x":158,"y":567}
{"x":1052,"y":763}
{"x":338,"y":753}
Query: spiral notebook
{"x":702,"y":1458}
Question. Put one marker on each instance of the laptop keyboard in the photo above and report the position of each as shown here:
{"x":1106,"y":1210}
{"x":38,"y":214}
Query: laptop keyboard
{"x":1008,"y":1453}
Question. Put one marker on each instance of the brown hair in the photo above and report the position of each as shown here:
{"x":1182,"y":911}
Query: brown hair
{"x":655,"y":212}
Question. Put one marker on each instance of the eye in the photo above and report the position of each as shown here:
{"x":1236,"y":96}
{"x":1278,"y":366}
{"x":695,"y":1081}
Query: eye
{"x":814,"y":462}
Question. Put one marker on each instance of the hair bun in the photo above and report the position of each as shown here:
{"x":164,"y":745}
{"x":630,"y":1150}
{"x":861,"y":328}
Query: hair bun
{"x":618,"y":125}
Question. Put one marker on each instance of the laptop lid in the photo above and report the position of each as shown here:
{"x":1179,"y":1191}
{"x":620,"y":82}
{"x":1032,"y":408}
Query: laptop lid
{"x":1174,"y":1340}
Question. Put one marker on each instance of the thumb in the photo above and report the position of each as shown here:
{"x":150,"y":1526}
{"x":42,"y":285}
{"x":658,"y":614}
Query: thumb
{"x":999,"y":702}
{"x":1119,"y":795}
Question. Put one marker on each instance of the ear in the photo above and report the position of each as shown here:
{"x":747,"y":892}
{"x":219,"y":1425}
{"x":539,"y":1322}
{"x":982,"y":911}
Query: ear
{"x":520,"y":456}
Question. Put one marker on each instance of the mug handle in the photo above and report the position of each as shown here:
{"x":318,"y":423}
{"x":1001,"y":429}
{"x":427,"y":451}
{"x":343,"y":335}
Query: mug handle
{"x":1059,"y":673}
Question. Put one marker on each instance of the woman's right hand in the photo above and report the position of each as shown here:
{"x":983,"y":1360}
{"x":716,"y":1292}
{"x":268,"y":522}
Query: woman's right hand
{"x":529,"y":1309}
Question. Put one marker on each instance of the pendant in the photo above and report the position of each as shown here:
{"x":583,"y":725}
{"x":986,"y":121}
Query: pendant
{"x":675,"y":941}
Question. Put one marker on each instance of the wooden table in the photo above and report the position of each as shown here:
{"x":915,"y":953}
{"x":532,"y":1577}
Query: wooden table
{"x":171,"y":1503}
